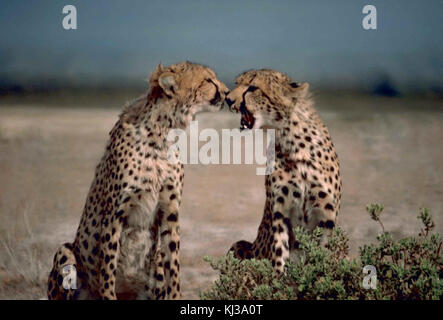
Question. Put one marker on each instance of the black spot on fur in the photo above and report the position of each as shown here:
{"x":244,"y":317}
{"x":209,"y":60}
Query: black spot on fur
{"x":285,"y":190}
{"x":172,"y":246}
{"x":159,"y":277}
{"x":278,"y":215}
{"x":59,"y":280}
{"x":172,"y":217}
{"x":330,"y":224}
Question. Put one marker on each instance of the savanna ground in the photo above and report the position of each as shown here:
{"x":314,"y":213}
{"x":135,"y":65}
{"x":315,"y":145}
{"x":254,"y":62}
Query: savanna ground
{"x":390,"y":152}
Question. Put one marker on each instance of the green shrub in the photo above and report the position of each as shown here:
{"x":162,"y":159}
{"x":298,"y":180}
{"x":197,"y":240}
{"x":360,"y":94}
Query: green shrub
{"x":409,"y":268}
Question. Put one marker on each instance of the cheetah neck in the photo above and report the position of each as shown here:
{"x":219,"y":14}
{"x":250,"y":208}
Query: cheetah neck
{"x":166,"y":116}
{"x":153,"y":120}
{"x":290,"y":136}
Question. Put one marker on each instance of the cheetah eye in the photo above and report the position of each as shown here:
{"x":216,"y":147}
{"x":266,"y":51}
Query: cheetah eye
{"x":251,"y":89}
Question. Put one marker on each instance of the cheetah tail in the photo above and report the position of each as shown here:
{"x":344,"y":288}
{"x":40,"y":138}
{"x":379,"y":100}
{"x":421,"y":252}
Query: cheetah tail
{"x":242,"y":250}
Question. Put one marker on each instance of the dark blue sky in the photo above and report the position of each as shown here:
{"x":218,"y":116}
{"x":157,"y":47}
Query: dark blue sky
{"x":318,"y":41}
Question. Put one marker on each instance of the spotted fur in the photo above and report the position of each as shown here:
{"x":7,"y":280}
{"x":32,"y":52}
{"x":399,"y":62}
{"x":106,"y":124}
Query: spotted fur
{"x":305,"y":187}
{"x":127,"y":243}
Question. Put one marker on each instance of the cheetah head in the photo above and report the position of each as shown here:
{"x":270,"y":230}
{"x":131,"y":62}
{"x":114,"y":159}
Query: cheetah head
{"x":191,"y":87}
{"x":265,"y":98}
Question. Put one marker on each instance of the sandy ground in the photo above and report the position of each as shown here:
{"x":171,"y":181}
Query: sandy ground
{"x":389,"y":148}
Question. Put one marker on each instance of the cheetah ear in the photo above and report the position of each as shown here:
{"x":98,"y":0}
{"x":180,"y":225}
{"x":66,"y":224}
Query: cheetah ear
{"x":158,"y":70}
{"x":155,"y":75}
{"x":168,"y":83}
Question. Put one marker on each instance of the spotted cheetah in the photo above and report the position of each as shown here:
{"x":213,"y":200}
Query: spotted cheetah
{"x":127,"y":243}
{"x":304,"y":188}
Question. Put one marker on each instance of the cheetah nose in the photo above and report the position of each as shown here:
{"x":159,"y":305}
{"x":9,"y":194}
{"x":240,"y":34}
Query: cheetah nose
{"x":229,"y":101}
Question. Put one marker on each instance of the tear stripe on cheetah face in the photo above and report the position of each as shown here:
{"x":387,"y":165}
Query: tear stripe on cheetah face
{"x":305,"y":187}
{"x":127,"y":242}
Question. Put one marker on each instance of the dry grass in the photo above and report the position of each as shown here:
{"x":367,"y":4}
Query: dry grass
{"x":24,"y":264}
{"x":390,"y":152}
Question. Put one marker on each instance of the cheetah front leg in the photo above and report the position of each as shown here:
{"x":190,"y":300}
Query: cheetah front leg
{"x":170,"y":198}
{"x":281,"y":231}
{"x":112,"y":226}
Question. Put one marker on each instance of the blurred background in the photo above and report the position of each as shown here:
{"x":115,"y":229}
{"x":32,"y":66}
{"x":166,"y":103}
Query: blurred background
{"x":379,"y":91}
{"x":118,"y":44}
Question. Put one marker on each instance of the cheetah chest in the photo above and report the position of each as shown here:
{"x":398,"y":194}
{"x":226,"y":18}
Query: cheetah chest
{"x":137,"y":249}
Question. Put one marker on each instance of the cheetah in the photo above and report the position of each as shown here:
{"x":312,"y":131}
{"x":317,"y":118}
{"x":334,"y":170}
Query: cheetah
{"x":304,"y":188}
{"x":127,"y":243}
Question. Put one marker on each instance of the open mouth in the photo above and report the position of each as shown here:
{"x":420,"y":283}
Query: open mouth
{"x":247,"y":119}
